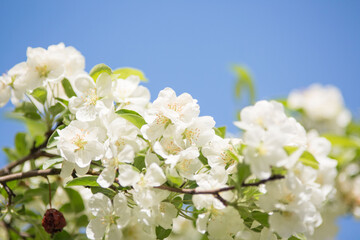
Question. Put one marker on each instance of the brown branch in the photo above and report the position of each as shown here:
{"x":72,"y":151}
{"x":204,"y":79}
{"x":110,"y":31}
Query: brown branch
{"x":194,"y":191}
{"x":23,"y":235}
{"x":36,"y":173}
{"x":9,"y":192}
{"x":29,"y":174}
{"x":272,"y":178}
{"x":216,"y":192}
{"x":35,"y":152}
{"x":38,"y":153}
{"x":221,"y":199}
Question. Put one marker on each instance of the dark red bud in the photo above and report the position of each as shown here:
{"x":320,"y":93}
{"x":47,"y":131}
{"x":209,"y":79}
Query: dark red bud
{"x":53,"y":221}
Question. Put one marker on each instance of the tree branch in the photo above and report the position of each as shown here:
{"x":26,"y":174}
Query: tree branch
{"x":216,"y":192}
{"x":38,"y":153}
{"x":35,"y":152}
{"x":29,"y":174}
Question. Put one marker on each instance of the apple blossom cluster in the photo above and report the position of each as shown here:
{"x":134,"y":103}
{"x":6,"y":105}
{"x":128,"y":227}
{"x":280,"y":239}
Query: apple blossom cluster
{"x":159,"y":170}
{"x":323,"y":108}
{"x":274,"y":141}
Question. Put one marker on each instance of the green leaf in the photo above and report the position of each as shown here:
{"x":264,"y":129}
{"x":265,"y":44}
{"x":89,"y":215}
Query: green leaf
{"x":63,"y":101}
{"x":69,"y":91}
{"x":139,"y":162}
{"x":244,"y":83}
{"x":10,"y":153}
{"x":306,"y":158}
{"x":98,"y":69}
{"x":35,"y":127}
{"x":220,"y":131}
{"x":124,"y":73}
{"x":63,"y":235}
{"x":21,"y":144}
{"x":177,"y":202}
{"x":40,"y":94}
{"x":261,"y":217}
{"x":106,"y":191}
{"x":51,"y":142}
{"x":343,"y":141}
{"x":177,"y":181}
{"x":56,"y":109}
{"x":76,"y":200}
{"x":309,"y":160}
{"x":28,"y":110}
{"x":162,"y":233}
{"x":83,"y":181}
{"x":132,"y":117}
{"x":51,"y":162}
{"x":82,"y":221}
{"x":203,"y":159}
{"x":243,"y":172}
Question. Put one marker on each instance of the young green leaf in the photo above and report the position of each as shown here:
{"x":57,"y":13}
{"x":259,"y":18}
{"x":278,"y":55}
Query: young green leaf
{"x":69,"y":91}
{"x":343,"y":141}
{"x":244,"y":83}
{"x":56,"y":109}
{"x":306,"y":158}
{"x":83,"y":181}
{"x":98,"y":69}
{"x":51,"y":141}
{"x":220,"y":131}
{"x":162,"y":233}
{"x":124,"y":73}
{"x":40,"y":94}
{"x":21,"y":145}
{"x":76,"y":201}
{"x":132,"y":117}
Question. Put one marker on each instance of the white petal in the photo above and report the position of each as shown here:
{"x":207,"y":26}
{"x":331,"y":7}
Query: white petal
{"x":201,"y":222}
{"x":155,"y":175}
{"x":127,"y":175}
{"x":100,"y":205}
{"x":115,"y":233}
{"x":95,"y":229}
{"x":106,"y":177}
{"x":121,"y":210}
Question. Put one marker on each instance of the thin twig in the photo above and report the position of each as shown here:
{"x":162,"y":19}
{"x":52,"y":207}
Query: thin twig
{"x":272,"y":178}
{"x":221,"y":199}
{"x":9,"y":192}
{"x":23,"y":235}
{"x":35,"y":152}
{"x":49,"y":190}
{"x":215,"y":191}
{"x":29,"y":174}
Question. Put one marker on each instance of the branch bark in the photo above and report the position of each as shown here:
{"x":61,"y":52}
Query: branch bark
{"x":217,"y":191}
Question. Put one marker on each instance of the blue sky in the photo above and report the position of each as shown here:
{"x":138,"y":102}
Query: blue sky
{"x":190,"y":47}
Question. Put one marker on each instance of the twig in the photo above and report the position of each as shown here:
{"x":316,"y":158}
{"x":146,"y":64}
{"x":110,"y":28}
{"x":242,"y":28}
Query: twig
{"x":49,"y":190}
{"x":29,"y":174}
{"x":23,"y":235}
{"x":272,"y":178}
{"x":35,"y":152}
{"x":216,"y":191}
{"x":34,"y":155}
{"x":9,"y":192}
{"x":221,"y":199}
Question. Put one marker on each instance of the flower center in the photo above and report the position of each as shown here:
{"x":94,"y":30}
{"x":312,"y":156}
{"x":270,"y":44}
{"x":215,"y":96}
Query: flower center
{"x":192,"y":134}
{"x":43,"y":71}
{"x":175,"y":106}
{"x":79,"y":141}
{"x":91,"y":97}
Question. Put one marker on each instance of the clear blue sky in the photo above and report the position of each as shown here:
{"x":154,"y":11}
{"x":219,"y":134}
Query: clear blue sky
{"x":191,"y":45}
